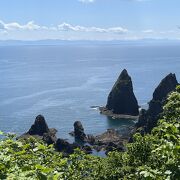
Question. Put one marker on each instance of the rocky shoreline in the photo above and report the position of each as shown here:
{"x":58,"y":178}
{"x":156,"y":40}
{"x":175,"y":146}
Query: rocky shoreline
{"x":107,"y":112}
{"x":107,"y":141}
{"x":121,"y":104}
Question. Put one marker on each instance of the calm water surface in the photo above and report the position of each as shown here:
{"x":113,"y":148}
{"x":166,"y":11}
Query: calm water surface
{"x":63,"y":82}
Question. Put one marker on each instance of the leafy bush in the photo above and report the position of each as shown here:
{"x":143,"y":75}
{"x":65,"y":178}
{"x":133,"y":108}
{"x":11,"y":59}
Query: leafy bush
{"x":153,"y":156}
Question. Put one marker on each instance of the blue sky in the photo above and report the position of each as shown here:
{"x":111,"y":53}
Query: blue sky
{"x":89,"y":19}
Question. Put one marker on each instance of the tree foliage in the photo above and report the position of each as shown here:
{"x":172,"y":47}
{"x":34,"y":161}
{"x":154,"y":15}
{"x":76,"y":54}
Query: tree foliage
{"x":152,"y":156}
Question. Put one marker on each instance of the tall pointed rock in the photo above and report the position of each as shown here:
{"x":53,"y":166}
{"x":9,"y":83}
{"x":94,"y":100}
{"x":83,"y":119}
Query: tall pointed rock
{"x":148,"y":119}
{"x":121,"y":99}
{"x":167,"y":85}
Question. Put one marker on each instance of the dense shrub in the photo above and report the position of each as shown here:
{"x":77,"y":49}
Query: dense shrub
{"x":153,"y":156}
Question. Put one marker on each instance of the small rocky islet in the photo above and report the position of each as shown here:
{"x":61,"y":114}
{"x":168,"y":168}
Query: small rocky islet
{"x":121,"y":99}
{"x":121,"y":103}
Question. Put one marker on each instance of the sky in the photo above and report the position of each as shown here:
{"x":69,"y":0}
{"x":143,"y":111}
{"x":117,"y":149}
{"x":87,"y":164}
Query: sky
{"x":89,"y":19}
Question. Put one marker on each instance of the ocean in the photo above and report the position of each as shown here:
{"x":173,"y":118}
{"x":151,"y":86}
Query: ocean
{"x":62,"y":82}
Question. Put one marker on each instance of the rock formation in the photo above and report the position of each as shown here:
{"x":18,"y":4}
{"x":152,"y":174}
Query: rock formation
{"x":41,"y":130}
{"x":39,"y":127}
{"x":109,"y":141}
{"x":121,"y":99}
{"x":79,"y":131}
{"x":167,"y":85}
{"x":62,"y":145}
{"x":148,"y":118}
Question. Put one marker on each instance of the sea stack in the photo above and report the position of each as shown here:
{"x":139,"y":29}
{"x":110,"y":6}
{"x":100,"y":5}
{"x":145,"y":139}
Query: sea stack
{"x":79,"y":131}
{"x":41,"y":130}
{"x":39,"y":127}
{"x":121,"y":99}
{"x":148,"y":118}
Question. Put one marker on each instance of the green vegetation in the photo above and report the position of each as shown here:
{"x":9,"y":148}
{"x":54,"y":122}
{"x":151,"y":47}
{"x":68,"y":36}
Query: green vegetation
{"x":153,"y":156}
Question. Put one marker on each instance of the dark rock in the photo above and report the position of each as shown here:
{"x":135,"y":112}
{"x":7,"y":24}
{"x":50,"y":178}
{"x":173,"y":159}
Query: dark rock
{"x":108,"y":141}
{"x":142,"y":118}
{"x":39,"y":127}
{"x":111,"y":146}
{"x":72,"y":133}
{"x":148,"y":119}
{"x":114,"y":147}
{"x":167,"y":85}
{"x":62,"y":145}
{"x":40,"y":130}
{"x":49,"y":138}
{"x":79,"y":131}
{"x":110,"y":136}
{"x":121,"y":99}
{"x":90,"y":139}
{"x":87,"y":149}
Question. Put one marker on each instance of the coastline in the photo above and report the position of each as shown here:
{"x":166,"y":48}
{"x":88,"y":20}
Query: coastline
{"x":105,"y":111}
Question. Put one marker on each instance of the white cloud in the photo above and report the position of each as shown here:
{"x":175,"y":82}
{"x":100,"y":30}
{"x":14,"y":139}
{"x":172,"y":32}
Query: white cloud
{"x":65,"y":31}
{"x":16,"y":26}
{"x":31,"y":26}
{"x":69,"y":27}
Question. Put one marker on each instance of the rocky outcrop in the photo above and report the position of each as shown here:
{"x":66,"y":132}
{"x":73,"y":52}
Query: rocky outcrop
{"x":39,"y":127}
{"x":111,"y":135}
{"x":121,"y":99}
{"x":41,"y":130}
{"x":148,"y":118}
{"x":108,"y":141}
{"x":50,"y":138}
{"x":79,"y":131}
{"x":87,"y":149}
{"x":65,"y":147}
{"x":167,"y":85}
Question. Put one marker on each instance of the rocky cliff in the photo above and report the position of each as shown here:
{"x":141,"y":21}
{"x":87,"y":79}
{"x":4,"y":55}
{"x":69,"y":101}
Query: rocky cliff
{"x":148,"y":118}
{"x":121,"y":99}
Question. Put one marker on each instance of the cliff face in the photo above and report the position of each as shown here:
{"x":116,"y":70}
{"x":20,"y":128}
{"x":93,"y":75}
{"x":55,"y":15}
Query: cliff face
{"x":167,"y":85}
{"x":121,"y":99}
{"x":148,"y":119}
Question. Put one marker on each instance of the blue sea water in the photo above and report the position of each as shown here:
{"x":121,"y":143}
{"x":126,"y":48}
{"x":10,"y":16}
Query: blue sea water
{"x":63,"y":82}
